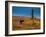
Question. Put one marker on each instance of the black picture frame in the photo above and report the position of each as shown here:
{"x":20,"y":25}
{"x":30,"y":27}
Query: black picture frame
{"x":6,"y":18}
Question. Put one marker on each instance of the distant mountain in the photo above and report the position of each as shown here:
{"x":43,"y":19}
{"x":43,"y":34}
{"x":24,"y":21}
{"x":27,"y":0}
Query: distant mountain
{"x":23,"y":17}
{"x":35,"y":18}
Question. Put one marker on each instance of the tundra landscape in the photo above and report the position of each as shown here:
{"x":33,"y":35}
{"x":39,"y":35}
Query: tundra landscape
{"x":25,"y":23}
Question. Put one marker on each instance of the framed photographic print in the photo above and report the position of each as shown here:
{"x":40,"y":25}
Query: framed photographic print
{"x":24,"y":18}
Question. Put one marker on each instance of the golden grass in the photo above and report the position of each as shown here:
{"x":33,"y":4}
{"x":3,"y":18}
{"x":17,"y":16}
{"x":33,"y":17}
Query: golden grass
{"x":28,"y":23}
